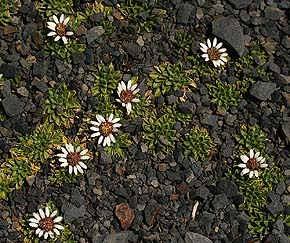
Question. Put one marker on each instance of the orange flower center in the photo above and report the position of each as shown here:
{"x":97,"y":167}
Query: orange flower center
{"x":127,"y":96}
{"x":106,"y":128}
{"x":60,"y":29}
{"x":46,"y":224}
{"x":253,"y":164}
{"x":213,"y":53}
{"x":73,"y":158}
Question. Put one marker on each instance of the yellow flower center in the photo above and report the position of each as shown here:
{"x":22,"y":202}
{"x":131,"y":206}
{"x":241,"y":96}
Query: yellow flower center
{"x":127,"y":96}
{"x":213,"y":53}
{"x":73,"y":158}
{"x":106,"y":128}
{"x":60,"y":29}
{"x":253,"y":164}
{"x":46,"y":224}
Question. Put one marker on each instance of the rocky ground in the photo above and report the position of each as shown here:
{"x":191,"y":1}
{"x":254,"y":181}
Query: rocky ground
{"x":164,"y":190}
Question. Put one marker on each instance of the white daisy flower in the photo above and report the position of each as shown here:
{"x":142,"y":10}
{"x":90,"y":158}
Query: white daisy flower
{"x":252,"y":164}
{"x":59,"y":28}
{"x":213,"y":52}
{"x":45,"y":223}
{"x":1,"y":75}
{"x":127,"y":95}
{"x":104,"y":129}
{"x":73,"y":158}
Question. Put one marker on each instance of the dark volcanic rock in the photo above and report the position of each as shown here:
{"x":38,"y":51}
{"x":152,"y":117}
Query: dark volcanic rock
{"x":133,"y":49}
{"x":262,"y":90}
{"x":9,"y":71}
{"x":286,"y":131}
{"x":151,"y":212}
{"x":72,"y":212}
{"x":121,"y":237}
{"x":12,"y":105}
{"x":220,"y":201}
{"x":229,"y":30}
{"x":191,"y":237}
{"x":40,"y":68}
{"x":94,"y":33}
{"x":184,"y":13}
{"x":239,"y":4}
{"x":273,"y":13}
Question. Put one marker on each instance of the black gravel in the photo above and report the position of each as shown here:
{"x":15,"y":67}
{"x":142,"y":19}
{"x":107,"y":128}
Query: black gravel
{"x":162,"y":191}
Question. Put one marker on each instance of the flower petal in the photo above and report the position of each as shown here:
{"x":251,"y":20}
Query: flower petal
{"x":58,"y":226}
{"x":214,"y":42}
{"x":84,"y":152}
{"x":100,"y":118}
{"x":66,"y":20}
{"x":264,"y":165}
{"x":242,"y":165}
{"x":55,"y":19}
{"x":83,"y":165}
{"x":64,"y":39}
{"x":245,"y":171}
{"x":251,"y":153}
{"x":251,"y":174}
{"x":61,"y":19}
{"x":34,"y":225}
{"x":96,"y":134}
{"x":111,"y":117}
{"x":57,"y":219}
{"x":42,"y":215}
{"x":100,"y":139}
{"x":47,"y":213}
{"x":219,"y":45}
{"x":36,"y":215}
{"x":208,"y":43}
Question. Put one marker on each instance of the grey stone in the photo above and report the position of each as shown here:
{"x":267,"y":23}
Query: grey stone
{"x":78,"y":57}
{"x":121,"y":237}
{"x":286,"y":131}
{"x":271,"y":30}
{"x":191,"y":237}
{"x":274,"y":68}
{"x":23,"y":91}
{"x":187,"y":107}
{"x":6,"y":88}
{"x":76,"y":197}
{"x":210,"y":120}
{"x":105,"y":158}
{"x":262,"y":90}
{"x":220,"y":201}
{"x":151,"y":212}
{"x":72,"y":212}
{"x":239,"y":4}
{"x":40,"y":69}
{"x":9,"y":71}
{"x":12,"y":105}
{"x":273,"y":13}
{"x":228,"y":29}
{"x":275,"y":206}
{"x":286,"y":41}
{"x":285,"y":199}
{"x":133,"y":50}
{"x":94,"y":33}
{"x":184,"y":13}
{"x":284,"y":79}
{"x":30,"y":180}
{"x":40,"y":84}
